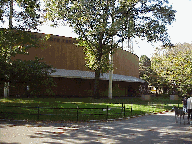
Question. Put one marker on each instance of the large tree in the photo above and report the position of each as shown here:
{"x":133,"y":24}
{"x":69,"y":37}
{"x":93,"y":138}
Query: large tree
{"x":147,"y":73}
{"x":12,"y":42}
{"x":97,"y":22}
{"x":174,"y":64}
{"x":18,"y":16}
{"x":21,"y":15}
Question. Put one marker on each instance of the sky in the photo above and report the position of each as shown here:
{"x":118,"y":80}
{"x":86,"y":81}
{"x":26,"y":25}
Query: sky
{"x":180,"y":31}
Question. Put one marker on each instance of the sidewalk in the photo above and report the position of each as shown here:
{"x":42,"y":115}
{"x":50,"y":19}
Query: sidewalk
{"x":150,"y":129}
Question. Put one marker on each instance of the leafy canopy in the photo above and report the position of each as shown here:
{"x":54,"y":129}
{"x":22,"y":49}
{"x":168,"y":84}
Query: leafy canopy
{"x":14,"y":42}
{"x":25,"y":13}
{"x":150,"y":75}
{"x":98,"y":22}
{"x":174,"y":64}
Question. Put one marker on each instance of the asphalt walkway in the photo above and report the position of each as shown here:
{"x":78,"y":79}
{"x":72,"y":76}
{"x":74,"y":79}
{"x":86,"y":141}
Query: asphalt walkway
{"x":149,"y":129}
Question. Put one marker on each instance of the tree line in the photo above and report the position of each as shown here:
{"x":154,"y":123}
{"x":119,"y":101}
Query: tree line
{"x":169,"y":69}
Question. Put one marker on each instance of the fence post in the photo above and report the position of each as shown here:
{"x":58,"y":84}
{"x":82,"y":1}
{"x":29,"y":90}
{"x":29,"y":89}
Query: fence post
{"x":178,"y":105}
{"x":131,"y":110}
{"x":38,"y":113}
{"x":124,"y":110}
{"x":77,"y":113}
{"x":107,"y":113}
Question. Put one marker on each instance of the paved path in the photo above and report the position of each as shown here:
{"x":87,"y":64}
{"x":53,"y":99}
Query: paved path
{"x":150,"y":129}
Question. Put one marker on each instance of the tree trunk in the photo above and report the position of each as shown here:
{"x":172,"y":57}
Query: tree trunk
{"x":156,"y":91}
{"x":98,"y":71}
{"x":11,"y":15}
{"x":96,"y":84}
{"x":6,"y":84}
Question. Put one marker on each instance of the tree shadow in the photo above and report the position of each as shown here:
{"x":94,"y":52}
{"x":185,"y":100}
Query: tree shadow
{"x":145,"y":129}
{"x":1,"y":142}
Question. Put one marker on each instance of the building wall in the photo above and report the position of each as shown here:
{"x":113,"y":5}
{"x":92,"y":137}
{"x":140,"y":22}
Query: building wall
{"x":78,"y":88}
{"x":126,"y":63}
{"x":61,"y":53}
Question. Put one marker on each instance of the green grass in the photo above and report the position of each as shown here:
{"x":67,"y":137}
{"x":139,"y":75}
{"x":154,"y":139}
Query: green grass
{"x":139,"y":107}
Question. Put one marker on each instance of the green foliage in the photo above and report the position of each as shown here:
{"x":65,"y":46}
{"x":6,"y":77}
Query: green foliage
{"x":22,"y":15}
{"x":31,"y":71}
{"x":91,"y":21}
{"x":147,"y":73}
{"x":26,"y":13}
{"x":92,"y":60}
{"x":145,"y":61}
{"x":145,"y":68}
{"x":174,"y":64}
{"x":14,"y":42}
{"x":97,"y":22}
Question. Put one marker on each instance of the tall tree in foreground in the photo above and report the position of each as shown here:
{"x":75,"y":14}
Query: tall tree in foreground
{"x":22,"y":15}
{"x":97,"y":22}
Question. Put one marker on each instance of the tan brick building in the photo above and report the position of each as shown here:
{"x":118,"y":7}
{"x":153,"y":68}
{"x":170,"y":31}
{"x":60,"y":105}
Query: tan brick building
{"x":74,"y":79}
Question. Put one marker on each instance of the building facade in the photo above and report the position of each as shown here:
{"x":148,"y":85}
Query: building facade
{"x":73,"y":78}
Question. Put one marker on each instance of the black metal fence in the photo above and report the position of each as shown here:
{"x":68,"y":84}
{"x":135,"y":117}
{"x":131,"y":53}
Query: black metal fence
{"x":107,"y":108}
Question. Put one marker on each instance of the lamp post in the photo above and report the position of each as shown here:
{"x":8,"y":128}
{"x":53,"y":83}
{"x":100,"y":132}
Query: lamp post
{"x":110,"y":76}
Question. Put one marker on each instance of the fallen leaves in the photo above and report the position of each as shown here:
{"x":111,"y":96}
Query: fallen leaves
{"x":38,"y":133}
{"x":151,"y":130}
{"x":58,"y":132}
{"x":12,"y":125}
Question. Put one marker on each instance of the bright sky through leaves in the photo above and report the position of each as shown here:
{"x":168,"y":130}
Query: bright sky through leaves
{"x":180,"y":31}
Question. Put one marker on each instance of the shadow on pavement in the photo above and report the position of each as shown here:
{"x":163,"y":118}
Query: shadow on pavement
{"x":145,"y":129}
{"x":7,"y":143}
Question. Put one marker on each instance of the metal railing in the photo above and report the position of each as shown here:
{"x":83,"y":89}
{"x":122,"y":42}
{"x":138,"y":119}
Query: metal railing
{"x":78,"y":109}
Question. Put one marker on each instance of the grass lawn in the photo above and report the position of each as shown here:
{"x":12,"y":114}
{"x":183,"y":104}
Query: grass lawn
{"x":30,"y":110}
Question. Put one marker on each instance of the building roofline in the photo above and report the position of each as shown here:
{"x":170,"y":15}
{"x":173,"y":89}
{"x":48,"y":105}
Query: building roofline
{"x":91,"y":75}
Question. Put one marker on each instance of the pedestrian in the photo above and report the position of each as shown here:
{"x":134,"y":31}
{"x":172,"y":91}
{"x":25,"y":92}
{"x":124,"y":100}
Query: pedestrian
{"x":184,"y":101}
{"x":189,"y":107}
